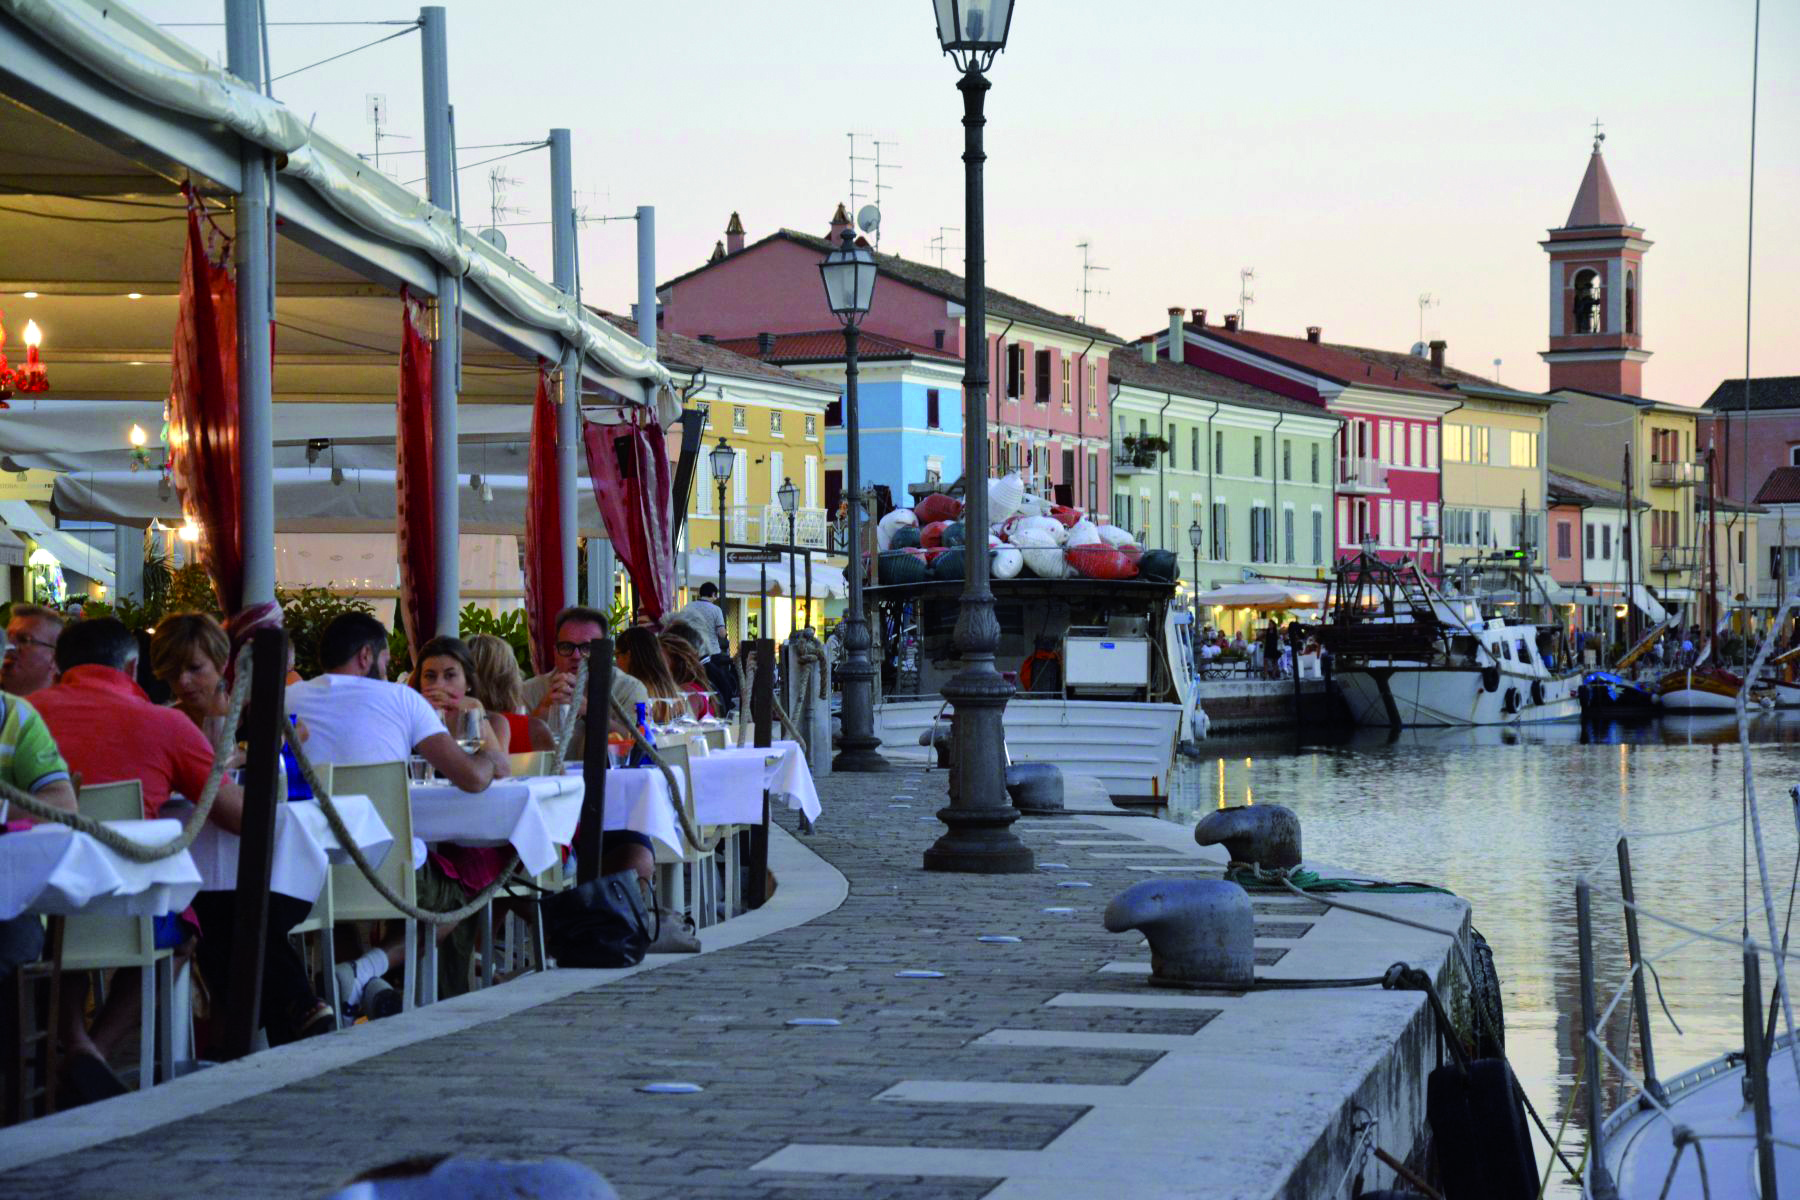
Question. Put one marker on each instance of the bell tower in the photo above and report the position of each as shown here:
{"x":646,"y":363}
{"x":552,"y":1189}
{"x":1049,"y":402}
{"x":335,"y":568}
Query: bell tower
{"x":1597,"y":290}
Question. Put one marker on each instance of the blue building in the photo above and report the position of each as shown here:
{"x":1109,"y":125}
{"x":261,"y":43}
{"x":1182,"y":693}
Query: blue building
{"x":910,"y":397}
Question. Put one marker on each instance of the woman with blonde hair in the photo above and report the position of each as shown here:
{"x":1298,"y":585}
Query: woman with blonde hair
{"x":500,"y":685}
{"x":188,"y":653}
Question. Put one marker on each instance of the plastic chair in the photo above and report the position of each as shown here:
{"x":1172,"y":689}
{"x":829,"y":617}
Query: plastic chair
{"x":354,"y":898}
{"x":109,"y":943}
{"x":322,"y":919}
{"x":676,"y":753}
{"x":29,"y":1013}
{"x":530,"y":762}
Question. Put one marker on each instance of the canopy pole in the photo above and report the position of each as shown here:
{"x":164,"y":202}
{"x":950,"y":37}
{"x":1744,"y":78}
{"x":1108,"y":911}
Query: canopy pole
{"x":447,"y":351}
{"x":253,"y":254}
{"x":568,"y":410}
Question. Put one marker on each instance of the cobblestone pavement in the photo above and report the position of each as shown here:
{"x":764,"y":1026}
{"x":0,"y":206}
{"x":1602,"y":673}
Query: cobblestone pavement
{"x":560,"y":1078}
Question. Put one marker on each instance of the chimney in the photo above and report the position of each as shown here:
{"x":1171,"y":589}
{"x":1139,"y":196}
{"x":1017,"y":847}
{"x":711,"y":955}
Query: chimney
{"x":1149,"y":350}
{"x":1200,"y":317}
{"x":734,"y":235}
{"x":1312,"y":334}
{"x":840,"y":221}
{"x":1438,"y":346}
{"x":711,"y":339}
{"x":1231,"y":322}
{"x":765,"y":343}
{"x":718,"y":252}
{"x":1177,"y":339}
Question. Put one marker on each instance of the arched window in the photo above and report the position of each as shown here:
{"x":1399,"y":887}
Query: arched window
{"x":1587,"y":307}
{"x":1630,"y":301}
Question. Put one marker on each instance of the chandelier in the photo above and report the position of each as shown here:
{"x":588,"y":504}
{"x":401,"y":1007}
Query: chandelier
{"x":28,"y":379}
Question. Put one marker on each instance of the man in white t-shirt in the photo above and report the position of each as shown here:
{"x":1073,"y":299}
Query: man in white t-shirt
{"x":705,"y":615}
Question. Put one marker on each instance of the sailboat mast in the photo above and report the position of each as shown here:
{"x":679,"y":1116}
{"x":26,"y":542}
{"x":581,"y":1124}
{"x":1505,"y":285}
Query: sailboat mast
{"x":1629,"y":540}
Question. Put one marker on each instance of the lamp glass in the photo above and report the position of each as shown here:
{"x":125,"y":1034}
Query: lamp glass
{"x":849,"y":275}
{"x":723,"y":459}
{"x":1194,"y":535}
{"x":788,"y":495}
{"x":973,"y":26}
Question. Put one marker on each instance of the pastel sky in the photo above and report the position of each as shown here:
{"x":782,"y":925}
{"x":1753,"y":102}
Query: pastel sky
{"x":1356,"y":155}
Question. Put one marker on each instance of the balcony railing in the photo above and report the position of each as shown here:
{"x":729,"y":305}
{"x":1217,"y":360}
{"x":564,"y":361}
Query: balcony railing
{"x":808,"y":527}
{"x":1126,"y":462}
{"x":1362,"y":475}
{"x":1677,"y":474}
{"x":1672,"y":560}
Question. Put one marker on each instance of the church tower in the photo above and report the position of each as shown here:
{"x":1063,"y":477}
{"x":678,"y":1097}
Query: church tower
{"x":1597,"y":291}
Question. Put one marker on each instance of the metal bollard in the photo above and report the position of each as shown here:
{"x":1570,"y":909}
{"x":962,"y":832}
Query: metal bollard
{"x":1265,"y":834}
{"x":1201,"y":931}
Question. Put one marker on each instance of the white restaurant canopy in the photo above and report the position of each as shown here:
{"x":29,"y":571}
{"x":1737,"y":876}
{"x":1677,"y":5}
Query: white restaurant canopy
{"x":745,"y":579}
{"x":1262,"y":595}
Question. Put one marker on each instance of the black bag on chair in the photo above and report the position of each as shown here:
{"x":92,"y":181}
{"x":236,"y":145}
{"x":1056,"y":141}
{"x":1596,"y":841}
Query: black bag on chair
{"x":602,"y":923}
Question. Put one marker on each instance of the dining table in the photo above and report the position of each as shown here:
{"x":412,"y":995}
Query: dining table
{"x":305,"y":847}
{"x":534,"y":814}
{"x":57,"y":871}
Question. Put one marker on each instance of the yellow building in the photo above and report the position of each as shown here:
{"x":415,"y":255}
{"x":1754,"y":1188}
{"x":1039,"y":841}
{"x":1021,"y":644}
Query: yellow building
{"x":774,"y":422}
{"x":1494,"y":474}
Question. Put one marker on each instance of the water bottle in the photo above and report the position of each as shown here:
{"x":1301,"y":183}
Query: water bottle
{"x":638,"y":757}
{"x":297,"y":788}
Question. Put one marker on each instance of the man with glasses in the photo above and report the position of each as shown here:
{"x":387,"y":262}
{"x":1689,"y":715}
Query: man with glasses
{"x":30,"y":662}
{"x":577,"y":628}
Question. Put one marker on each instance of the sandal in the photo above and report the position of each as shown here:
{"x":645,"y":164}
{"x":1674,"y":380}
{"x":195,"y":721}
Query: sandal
{"x":320,"y":1020}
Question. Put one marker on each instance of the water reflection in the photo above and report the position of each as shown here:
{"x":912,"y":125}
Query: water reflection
{"x":1509,"y":818}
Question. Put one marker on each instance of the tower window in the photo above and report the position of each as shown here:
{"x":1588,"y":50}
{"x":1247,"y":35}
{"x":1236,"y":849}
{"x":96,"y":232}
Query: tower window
{"x":1588,"y":306}
{"x":1631,"y":302}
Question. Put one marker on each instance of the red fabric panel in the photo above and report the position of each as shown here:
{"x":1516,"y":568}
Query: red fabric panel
{"x":203,"y":419}
{"x":415,"y":519}
{"x":543,"y":531}
{"x":629,"y":464}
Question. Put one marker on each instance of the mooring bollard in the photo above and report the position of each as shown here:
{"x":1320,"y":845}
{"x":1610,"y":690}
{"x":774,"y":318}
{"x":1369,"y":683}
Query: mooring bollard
{"x":1267,"y":835}
{"x":1201,"y":931}
{"x":1035,"y":787}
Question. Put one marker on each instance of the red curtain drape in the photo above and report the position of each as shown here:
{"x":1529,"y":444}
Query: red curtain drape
{"x":543,"y":531}
{"x":416,"y":519}
{"x":203,"y":419}
{"x":629,"y":464}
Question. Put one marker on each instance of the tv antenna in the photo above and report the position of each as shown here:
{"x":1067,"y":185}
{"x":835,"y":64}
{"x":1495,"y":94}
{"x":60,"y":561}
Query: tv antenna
{"x":880,"y":166}
{"x":1087,"y":271}
{"x":940,"y":246}
{"x":1426,"y":300}
{"x":1246,"y":297}
{"x":498,"y":182}
{"x":376,"y":108}
{"x":854,"y":159}
{"x":1496,"y":370}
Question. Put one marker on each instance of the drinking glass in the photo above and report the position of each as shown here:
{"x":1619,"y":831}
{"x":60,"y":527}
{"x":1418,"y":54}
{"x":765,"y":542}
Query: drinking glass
{"x":418,"y":769}
{"x":470,"y":735}
{"x":558,"y":720}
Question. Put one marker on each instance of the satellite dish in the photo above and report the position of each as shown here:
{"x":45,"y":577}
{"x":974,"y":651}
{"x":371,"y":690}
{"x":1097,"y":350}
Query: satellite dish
{"x":494,"y":238}
{"x":868,"y":218}
{"x":1421,"y":350}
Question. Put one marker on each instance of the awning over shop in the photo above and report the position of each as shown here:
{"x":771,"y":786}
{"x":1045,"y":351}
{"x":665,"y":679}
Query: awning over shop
{"x":745,"y":579}
{"x":74,"y":554}
{"x":1262,"y":596}
{"x":12,"y":550}
{"x":1615,"y":593}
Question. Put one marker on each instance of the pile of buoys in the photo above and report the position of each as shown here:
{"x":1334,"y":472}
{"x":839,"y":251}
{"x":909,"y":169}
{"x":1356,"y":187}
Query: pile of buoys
{"x":1027,"y":535}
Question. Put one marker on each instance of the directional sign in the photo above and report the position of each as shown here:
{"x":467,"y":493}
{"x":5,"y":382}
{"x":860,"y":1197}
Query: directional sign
{"x":752,"y":556}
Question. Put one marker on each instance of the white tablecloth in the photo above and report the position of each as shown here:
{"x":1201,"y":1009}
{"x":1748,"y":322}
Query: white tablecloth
{"x":52,"y":869}
{"x":305,"y":847}
{"x":534,"y":815}
{"x":785,"y":774}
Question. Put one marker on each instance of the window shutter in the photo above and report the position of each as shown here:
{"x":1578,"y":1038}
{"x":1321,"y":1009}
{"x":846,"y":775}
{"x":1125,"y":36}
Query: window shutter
{"x":1041,"y":385}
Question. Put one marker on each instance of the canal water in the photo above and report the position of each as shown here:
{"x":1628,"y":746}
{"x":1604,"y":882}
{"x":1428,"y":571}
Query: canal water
{"x":1510,"y":818}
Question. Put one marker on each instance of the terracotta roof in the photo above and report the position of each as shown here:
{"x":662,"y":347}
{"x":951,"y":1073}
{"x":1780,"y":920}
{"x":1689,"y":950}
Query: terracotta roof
{"x":1568,"y":489}
{"x":938,"y":282}
{"x":1350,"y":364}
{"x":827,"y":345}
{"x":1770,"y":392}
{"x":682,"y":353}
{"x":1128,"y":367}
{"x":1781,"y":487}
{"x":1596,"y":203}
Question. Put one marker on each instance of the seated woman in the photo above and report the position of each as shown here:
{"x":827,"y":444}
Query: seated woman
{"x":188,"y":653}
{"x":499,"y":685}
{"x":687,"y":671}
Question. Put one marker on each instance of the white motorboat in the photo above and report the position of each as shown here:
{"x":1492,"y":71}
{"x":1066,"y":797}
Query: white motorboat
{"x":1107,"y":698}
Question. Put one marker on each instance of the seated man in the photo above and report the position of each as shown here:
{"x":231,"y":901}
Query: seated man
{"x":353,"y":715}
{"x":30,"y":762}
{"x":110,"y":732}
{"x":30,"y":662}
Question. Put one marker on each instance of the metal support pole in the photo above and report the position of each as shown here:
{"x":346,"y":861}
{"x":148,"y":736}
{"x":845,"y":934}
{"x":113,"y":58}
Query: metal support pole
{"x":1598,"y":1178}
{"x":446,"y":354}
{"x":568,"y":411}
{"x":240,"y":997}
{"x":721,"y":549}
{"x":253,"y":251}
{"x":762,"y":713}
{"x":1639,"y":996}
{"x":980,"y":838}
{"x":598,"y":723}
{"x":858,"y":740}
{"x":1756,"y":1071}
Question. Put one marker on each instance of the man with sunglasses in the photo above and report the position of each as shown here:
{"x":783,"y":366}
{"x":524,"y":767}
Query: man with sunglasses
{"x":577,"y":628}
{"x":30,"y":662}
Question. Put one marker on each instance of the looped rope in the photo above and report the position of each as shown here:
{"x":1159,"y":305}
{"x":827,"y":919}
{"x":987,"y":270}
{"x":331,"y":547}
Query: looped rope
{"x":117,"y":842}
{"x":808,"y":663}
{"x":341,"y":831}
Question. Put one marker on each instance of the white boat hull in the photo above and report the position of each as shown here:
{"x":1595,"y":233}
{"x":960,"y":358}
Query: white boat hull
{"x":1696,"y":700}
{"x":1447,"y":696}
{"x":1129,"y":746}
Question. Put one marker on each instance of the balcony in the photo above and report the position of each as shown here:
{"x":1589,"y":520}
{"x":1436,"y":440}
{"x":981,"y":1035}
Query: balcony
{"x":1362,"y":476}
{"x":809,"y":527}
{"x":1137,"y":452}
{"x":1674,"y":560}
{"x":1677,"y":474}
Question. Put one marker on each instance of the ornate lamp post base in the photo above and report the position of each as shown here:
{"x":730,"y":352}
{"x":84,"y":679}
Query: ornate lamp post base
{"x":856,"y":750}
{"x":980,"y":840}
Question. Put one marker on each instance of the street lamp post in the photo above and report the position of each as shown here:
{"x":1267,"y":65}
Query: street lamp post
{"x":723,"y":459}
{"x":980,"y":838}
{"x":849,"y":275}
{"x":789,"y":498}
{"x":1195,"y":534}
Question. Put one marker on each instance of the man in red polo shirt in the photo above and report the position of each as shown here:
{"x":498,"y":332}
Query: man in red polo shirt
{"x":109,"y":731}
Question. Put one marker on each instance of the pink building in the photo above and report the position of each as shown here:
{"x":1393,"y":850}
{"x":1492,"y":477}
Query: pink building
{"x":1048,"y":409}
{"x":1388,"y":478}
{"x":1772,"y":437}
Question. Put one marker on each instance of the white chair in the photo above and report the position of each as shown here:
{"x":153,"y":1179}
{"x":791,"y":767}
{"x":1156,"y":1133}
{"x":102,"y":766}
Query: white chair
{"x":109,"y":943}
{"x":676,"y":753}
{"x":354,"y":898}
{"x":321,"y":919}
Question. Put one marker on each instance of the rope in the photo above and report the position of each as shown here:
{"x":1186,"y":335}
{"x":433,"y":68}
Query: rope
{"x":117,"y":842}
{"x":744,"y":737}
{"x":342,"y":832}
{"x":1253,"y":878}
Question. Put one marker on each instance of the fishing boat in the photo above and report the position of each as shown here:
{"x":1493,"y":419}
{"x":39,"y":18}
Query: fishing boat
{"x":1403,"y":654}
{"x":1700,"y":689}
{"x":1107,"y":696}
{"x":1606,"y":695}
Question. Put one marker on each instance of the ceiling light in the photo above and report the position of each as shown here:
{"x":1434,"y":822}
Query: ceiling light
{"x":134,"y":295}
{"x":30,"y":295}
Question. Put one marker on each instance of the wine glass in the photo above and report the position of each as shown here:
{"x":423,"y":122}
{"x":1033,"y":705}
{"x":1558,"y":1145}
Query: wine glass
{"x":558,"y":720}
{"x":470,"y":734}
{"x":697,"y":707}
